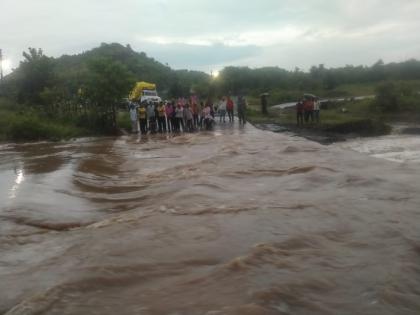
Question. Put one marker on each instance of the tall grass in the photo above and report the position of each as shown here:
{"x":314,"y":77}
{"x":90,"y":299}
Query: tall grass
{"x":32,"y":123}
{"x":19,"y":126}
{"x":359,"y":117}
{"x":123,"y":120}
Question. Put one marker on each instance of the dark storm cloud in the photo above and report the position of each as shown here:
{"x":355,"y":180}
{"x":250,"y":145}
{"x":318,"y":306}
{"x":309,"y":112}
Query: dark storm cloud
{"x":199,"y":56}
{"x":209,"y":34}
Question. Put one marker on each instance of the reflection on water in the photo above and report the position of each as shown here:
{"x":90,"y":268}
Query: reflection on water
{"x":235,"y":221}
{"x":19,"y":179}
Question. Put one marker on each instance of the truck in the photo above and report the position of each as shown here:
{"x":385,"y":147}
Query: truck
{"x":144,"y":92}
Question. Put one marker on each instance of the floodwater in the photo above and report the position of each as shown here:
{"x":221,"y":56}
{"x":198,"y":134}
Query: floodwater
{"x":235,"y":221}
{"x":396,"y":147}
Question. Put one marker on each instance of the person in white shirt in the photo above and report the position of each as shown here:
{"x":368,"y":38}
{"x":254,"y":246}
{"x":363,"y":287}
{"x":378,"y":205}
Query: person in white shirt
{"x":133,"y":118}
{"x":317,"y":107}
{"x":208,"y":118}
{"x":222,"y":110}
{"x":179,"y":115}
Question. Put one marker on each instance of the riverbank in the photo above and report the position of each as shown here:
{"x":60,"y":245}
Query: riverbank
{"x":32,"y":125}
{"x":338,"y":121}
{"x":32,"y":122}
{"x":322,"y":137}
{"x":348,"y":116}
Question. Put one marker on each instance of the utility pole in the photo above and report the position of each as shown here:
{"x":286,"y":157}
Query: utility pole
{"x":1,"y":65}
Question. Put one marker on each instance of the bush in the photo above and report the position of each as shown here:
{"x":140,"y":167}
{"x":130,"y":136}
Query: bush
{"x":387,"y":97}
{"x":123,"y":120}
{"x":31,"y":127}
{"x":395,"y":96}
{"x":283,"y":96}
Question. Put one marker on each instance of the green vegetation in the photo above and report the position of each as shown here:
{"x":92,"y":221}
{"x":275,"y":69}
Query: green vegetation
{"x":54,"y":98}
{"x":123,"y":120}
{"x":30,"y":125}
{"x":333,"y":121}
{"x":395,"y":101}
{"x":287,"y":86}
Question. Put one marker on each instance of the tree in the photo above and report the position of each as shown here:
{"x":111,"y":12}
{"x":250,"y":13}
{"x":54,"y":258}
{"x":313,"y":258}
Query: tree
{"x":36,"y":73}
{"x":330,"y":81}
{"x":378,"y":71}
{"x":108,"y":82}
{"x":387,"y":97}
{"x":264,"y":104}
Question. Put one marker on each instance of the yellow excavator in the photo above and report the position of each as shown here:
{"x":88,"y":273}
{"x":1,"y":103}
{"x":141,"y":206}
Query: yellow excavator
{"x":144,"y":92}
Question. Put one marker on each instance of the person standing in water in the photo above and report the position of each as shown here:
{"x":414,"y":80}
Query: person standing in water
{"x":133,"y":118}
{"x":317,"y":108}
{"x":202,"y":115}
{"x":222,"y":110}
{"x":242,"y":110}
{"x":151,"y":114}
{"x":195,"y":111}
{"x":212,"y":111}
{"x":188,"y":116}
{"x":161,"y":118}
{"x":229,"y":108}
{"x":142,"y":114}
{"x":173,"y":117}
{"x":208,"y":119}
{"x":168,"y":113}
{"x":179,"y":115}
{"x":308,"y":107}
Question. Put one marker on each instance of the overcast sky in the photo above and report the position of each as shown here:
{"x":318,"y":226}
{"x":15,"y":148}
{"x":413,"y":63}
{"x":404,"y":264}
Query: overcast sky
{"x":208,"y":35}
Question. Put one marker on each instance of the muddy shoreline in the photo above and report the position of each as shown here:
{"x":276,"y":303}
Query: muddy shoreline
{"x":326,"y":137}
{"x":316,"y":135}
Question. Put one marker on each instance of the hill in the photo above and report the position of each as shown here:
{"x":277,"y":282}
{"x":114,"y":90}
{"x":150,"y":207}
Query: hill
{"x":78,"y":94}
{"x":70,"y":71}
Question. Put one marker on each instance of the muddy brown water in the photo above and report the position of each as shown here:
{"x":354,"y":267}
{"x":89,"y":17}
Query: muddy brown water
{"x":235,"y":221}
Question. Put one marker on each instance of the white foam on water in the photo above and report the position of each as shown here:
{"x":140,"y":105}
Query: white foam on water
{"x":395,"y":148}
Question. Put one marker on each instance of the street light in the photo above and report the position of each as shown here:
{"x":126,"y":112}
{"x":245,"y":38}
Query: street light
{"x":214,"y":74}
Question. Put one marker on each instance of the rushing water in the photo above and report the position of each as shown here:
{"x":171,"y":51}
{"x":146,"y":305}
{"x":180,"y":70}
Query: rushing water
{"x":236,"y":221}
{"x":397,"y":148}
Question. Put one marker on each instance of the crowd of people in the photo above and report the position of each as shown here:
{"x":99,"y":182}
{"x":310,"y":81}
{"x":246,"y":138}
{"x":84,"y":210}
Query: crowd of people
{"x":183,"y":115}
{"x":308,"y":109}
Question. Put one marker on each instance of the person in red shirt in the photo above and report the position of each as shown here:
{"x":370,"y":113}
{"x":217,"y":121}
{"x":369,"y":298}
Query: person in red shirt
{"x":308,"y":107}
{"x":195,"y":111}
{"x":229,"y":109}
